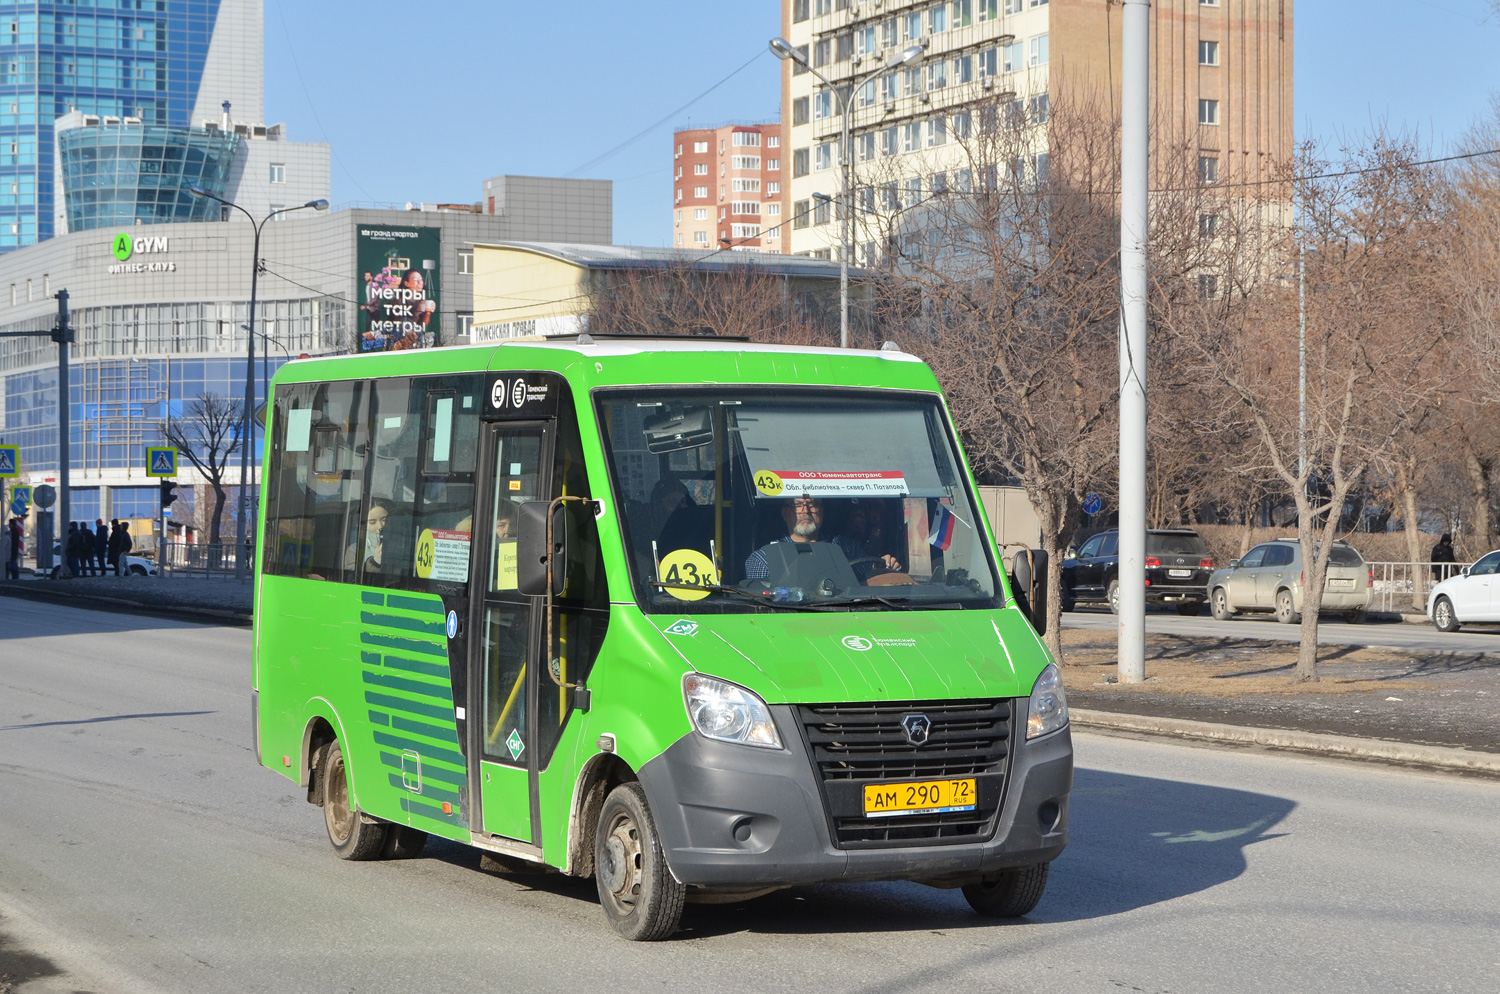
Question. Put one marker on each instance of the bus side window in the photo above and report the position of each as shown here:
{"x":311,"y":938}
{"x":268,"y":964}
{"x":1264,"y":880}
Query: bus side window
{"x":395,"y":430}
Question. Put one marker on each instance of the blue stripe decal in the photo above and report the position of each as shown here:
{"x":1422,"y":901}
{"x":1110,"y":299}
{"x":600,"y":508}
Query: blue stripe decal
{"x":429,"y":772}
{"x":371,"y":597}
{"x":405,"y":624}
{"x":439,"y":670}
{"x":447,"y":736}
{"x":421,"y":604}
{"x":370,"y":658}
{"x":381,"y":718}
{"x":439,"y":691}
{"x":410,"y":707}
{"x":427,"y":753}
{"x":405,"y":645}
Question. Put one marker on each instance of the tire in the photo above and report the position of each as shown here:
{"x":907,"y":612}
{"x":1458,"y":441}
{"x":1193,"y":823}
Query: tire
{"x":639,"y":896}
{"x":1443,"y":616}
{"x":137,"y":571}
{"x":1358,"y":616}
{"x":1009,"y":893}
{"x":350,"y":834}
{"x":1286,"y":609}
{"x":1190,"y":609}
{"x":1066,"y":604}
{"x":402,"y":842}
{"x":1218,"y":603}
{"x":1112,"y":596}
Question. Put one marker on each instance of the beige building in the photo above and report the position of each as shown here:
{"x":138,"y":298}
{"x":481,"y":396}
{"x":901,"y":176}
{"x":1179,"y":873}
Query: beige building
{"x":1221,"y":91}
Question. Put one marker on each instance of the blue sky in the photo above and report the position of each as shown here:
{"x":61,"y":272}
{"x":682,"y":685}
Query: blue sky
{"x":424,"y":101}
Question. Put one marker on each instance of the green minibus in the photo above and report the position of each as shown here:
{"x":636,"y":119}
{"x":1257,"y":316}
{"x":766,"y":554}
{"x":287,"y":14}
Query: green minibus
{"x":697,"y":618}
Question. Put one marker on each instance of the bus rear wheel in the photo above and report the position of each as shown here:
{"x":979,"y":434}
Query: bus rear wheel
{"x":353,"y":836}
{"x":1009,"y":893}
{"x":640,"y":898}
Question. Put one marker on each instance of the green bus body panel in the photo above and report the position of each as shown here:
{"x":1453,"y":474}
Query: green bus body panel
{"x":374,"y":663}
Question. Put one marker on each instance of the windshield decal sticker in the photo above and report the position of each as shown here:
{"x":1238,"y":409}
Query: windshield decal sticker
{"x":515,"y":744}
{"x":787,"y":482}
{"x":683,"y":627}
{"x":443,"y":555}
{"x":685,"y":569}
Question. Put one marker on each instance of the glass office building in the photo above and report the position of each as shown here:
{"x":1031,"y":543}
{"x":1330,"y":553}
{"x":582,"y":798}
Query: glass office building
{"x":136,"y":60}
{"x":142,"y":174}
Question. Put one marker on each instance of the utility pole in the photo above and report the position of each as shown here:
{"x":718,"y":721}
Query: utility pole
{"x":1134,"y":218}
{"x":63,"y":336}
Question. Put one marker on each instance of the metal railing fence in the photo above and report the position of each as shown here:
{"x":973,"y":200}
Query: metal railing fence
{"x":1403,"y":587}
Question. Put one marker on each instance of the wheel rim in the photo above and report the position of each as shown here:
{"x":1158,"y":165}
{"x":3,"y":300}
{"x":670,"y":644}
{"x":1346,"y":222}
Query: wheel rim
{"x":1444,"y":613}
{"x":1221,"y":603}
{"x":336,"y":810}
{"x":620,"y":869}
{"x":1114,"y":597}
{"x":1284,"y":606}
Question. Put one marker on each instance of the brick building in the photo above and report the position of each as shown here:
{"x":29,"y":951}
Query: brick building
{"x":727,"y":188}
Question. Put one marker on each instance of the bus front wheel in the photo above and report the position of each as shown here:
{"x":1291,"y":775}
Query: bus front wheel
{"x":639,"y":896}
{"x":352,"y":835}
{"x":1009,"y":893}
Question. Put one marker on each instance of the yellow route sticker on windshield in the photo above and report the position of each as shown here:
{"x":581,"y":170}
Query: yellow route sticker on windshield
{"x":768,"y":483}
{"x":688,"y":568}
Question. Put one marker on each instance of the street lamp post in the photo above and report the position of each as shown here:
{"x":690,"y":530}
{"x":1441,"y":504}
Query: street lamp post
{"x":783,"y":50}
{"x":247,"y":424}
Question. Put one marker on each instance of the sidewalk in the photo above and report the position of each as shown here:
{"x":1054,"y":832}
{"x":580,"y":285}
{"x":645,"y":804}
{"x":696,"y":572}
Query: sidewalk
{"x":186,"y":598}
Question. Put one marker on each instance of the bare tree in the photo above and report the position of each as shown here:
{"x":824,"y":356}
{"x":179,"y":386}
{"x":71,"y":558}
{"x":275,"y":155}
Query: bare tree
{"x":209,"y":436}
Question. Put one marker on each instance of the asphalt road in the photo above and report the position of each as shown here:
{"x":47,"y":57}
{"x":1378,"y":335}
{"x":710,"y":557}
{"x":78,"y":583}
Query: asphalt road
{"x":142,"y":850}
{"x":1393,"y":635}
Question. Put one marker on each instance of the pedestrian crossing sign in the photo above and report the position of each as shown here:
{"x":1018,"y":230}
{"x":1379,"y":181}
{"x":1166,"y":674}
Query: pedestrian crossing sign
{"x":10,"y":460}
{"x":161,"y":462}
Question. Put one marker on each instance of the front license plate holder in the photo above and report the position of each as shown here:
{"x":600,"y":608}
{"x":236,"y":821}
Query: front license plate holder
{"x":919,"y":797}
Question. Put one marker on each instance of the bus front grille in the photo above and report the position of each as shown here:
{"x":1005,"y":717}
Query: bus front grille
{"x":856,"y":745}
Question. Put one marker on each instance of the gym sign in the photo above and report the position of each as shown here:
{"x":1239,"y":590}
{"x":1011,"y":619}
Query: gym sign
{"x":127,"y":251}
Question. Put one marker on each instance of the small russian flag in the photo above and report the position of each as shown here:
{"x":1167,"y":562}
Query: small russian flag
{"x":944,"y":524}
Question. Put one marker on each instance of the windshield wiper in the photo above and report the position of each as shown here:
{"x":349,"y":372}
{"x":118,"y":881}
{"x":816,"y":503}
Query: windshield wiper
{"x":736,"y":591}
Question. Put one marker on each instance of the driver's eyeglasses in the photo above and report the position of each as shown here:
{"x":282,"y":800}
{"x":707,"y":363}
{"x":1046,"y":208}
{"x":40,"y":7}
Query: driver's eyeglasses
{"x":807,"y":503}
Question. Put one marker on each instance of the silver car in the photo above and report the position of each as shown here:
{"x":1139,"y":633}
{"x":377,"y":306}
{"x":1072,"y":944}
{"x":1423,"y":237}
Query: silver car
{"x":1270,"y":578}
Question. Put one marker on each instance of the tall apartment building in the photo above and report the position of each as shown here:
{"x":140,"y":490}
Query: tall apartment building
{"x":727,"y":188}
{"x":157,"y":64}
{"x":1221,"y":91}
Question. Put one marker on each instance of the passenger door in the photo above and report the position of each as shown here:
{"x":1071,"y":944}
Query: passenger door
{"x":1085,"y":574}
{"x":1478,"y":595}
{"x":1241,"y":581}
{"x":1272,"y":574}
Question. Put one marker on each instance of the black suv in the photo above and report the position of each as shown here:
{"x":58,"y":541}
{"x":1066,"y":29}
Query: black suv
{"x":1177,"y":570}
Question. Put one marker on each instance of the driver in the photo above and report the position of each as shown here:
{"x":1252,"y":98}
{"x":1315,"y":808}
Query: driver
{"x":804,"y":517}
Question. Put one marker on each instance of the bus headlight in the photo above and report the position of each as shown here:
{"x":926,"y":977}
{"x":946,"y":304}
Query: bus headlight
{"x":1049,"y":705}
{"x":728,"y":713}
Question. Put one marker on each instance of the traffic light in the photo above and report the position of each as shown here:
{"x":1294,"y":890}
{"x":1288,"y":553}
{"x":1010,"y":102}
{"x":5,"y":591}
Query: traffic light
{"x":167,"y":496}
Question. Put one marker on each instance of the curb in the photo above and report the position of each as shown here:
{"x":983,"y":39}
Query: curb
{"x":1349,"y":746}
{"x":179,"y":612}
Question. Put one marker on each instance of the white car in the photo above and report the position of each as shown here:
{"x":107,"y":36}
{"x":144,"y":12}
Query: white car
{"x":1472,"y":595}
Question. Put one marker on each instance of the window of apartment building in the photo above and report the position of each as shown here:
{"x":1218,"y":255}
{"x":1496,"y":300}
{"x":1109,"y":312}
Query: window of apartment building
{"x":963,"y":181}
{"x":700,"y":213}
{"x":773,"y":165}
{"x":744,"y":230}
{"x":466,"y":258}
{"x":989,"y":10}
{"x":822,"y":212}
{"x":1208,"y":53}
{"x":822,"y":104}
{"x":773,"y":210}
{"x":867,"y":199}
{"x":1015,"y":114}
{"x":722,"y":214}
{"x":721,"y":146}
{"x":1039,"y":167}
{"x":799,"y":213}
{"x":1038,"y":108}
{"x":1208,"y":112}
{"x":1038,"y":51}
{"x":278,"y":172}
{"x":1208,"y":3}
{"x":679,"y":239}
{"x":1208,"y":226}
{"x":1208,"y":286}
{"x":913,"y":191}
{"x":988,"y":63}
{"x":721,"y":191}
{"x":911,"y":136}
{"x":465,"y":324}
{"x":937,"y":19}
{"x":679,"y":173}
{"x":700,"y":238}
{"x":773,"y":188}
{"x":937,"y":75}
{"x":890,"y":143}
{"x":746,"y":139}
{"x":963,"y":13}
{"x":1208,"y":169}
{"x":799,"y":110}
{"x":843,"y":47}
{"x":744,"y":186}
{"x":890,"y":197}
{"x":800,"y":161}
{"x":962,"y":125}
{"x":277,"y":207}
{"x":1013,"y":56}
{"x":937,"y":132}
{"x":889,"y":88}
{"x":679,"y":149}
{"x":1014,"y":6}
{"x":890,"y":33}
{"x":679,"y":197}
{"x":822,"y":52}
{"x":700,"y":147}
{"x":800,"y":11}
{"x":937,"y":183}
{"x":799,"y":65}
{"x":865,"y":144}
{"x":751,"y":207}
{"x":963,"y":70}
{"x":911,"y":84}
{"x":866,"y":94}
{"x":773,"y":141}
{"x":822,"y":8}
{"x":823,"y":157}
{"x":700,"y":169}
{"x":700,"y":192}
{"x":722,"y":170}
{"x":677,"y":218}
{"x":744,"y":162}
{"x":864,"y":40}
{"x":912,"y":26}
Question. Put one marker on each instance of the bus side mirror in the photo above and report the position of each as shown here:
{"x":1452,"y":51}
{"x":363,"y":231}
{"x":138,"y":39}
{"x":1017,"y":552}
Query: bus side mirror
{"x":532,"y":553}
{"x":1029,"y":584}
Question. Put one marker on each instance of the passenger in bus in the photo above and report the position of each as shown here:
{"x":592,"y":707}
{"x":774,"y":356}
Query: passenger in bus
{"x":374,"y":546}
{"x":804,"y":520}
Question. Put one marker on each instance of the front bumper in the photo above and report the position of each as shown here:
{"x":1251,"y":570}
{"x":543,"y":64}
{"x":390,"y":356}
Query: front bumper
{"x":733,"y":816}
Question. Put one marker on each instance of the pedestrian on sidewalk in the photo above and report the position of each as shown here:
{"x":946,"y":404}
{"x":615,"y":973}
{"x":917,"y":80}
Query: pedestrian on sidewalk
{"x":13,"y":545}
{"x":114,"y":544}
{"x":122,"y":568}
{"x":85,"y":549}
{"x":70,"y":551}
{"x":101,"y":546}
{"x":1442,"y":556}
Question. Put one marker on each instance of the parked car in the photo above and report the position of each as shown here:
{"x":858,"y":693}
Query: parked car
{"x":1270,"y":577}
{"x":135,"y":564}
{"x":1177,"y":569}
{"x":1472,"y":595}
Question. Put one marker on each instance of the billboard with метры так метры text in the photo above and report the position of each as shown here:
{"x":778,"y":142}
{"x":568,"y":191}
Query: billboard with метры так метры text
{"x":400,"y":286}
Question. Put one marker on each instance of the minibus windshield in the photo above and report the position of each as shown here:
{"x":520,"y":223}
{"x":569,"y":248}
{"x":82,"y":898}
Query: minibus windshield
{"x":736,"y":499}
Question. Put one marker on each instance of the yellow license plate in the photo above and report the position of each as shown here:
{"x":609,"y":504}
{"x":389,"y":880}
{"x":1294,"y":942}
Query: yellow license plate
{"x":926,"y":797}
